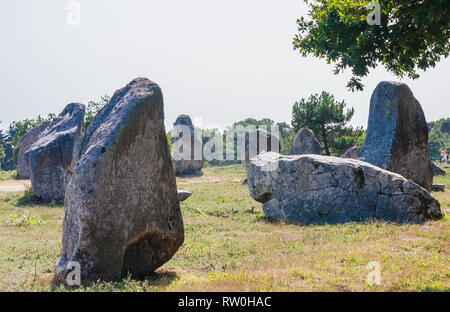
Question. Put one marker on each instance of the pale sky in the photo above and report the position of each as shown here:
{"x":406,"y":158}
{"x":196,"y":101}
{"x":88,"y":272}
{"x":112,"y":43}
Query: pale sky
{"x":221,"y":61}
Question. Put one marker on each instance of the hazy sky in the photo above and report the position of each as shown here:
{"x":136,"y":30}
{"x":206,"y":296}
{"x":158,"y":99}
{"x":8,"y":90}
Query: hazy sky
{"x":221,"y":61}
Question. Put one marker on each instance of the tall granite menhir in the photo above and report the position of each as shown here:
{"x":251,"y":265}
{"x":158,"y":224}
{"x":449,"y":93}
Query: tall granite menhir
{"x":184,"y":136}
{"x":50,"y":157}
{"x":122,"y":213}
{"x":305,"y":143}
{"x":397,"y":134}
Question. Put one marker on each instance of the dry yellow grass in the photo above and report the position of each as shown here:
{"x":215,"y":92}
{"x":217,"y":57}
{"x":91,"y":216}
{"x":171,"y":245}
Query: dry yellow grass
{"x":231,"y":246}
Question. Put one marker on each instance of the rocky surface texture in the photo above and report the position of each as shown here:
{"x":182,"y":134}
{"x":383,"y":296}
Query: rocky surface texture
{"x":258,"y":141}
{"x":24,"y":145}
{"x":305,"y":143}
{"x":122,"y":213}
{"x":183,"y":195}
{"x":309,"y":189}
{"x":397,"y":134}
{"x":353,"y":152}
{"x":437,"y":170}
{"x":439,"y":187}
{"x":50,"y":157}
{"x":191,"y":160}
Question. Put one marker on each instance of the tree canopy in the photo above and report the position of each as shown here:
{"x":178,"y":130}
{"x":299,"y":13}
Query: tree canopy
{"x":285,"y":132}
{"x":328,"y":119}
{"x":413,"y":35}
{"x":93,"y":108}
{"x":2,"y":148}
{"x":439,"y":137}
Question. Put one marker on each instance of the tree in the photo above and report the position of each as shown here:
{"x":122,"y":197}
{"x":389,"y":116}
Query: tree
{"x":93,"y":108}
{"x":6,"y":153}
{"x":265,"y":122}
{"x":287,"y":136}
{"x":413,"y":35}
{"x":347,"y":138}
{"x":324,"y":115}
{"x":439,"y":137}
{"x":2,"y":148}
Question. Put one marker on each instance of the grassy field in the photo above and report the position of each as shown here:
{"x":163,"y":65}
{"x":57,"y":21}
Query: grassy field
{"x":231,"y":246}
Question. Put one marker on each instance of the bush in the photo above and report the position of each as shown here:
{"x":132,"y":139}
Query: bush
{"x":8,"y":175}
{"x":439,"y":137}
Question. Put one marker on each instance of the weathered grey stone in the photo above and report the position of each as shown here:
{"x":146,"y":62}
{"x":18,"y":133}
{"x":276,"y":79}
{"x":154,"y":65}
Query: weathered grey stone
{"x":122,"y":212}
{"x":438,"y":187}
{"x":353,"y":152}
{"x":305,"y":143}
{"x":437,"y":170}
{"x":309,"y":189}
{"x":191,"y":160}
{"x":50,"y":157}
{"x":23,"y":145}
{"x":397,"y":134}
{"x":258,"y":141}
{"x":183,"y":195}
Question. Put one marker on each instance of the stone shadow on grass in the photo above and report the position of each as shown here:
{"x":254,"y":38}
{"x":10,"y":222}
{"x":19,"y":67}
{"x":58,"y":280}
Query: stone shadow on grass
{"x":158,"y":279}
{"x":29,"y":199}
{"x":195,"y":174}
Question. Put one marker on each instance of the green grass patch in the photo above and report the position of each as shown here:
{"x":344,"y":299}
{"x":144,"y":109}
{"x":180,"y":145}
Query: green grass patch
{"x":231,"y":246}
{"x":8,"y":175}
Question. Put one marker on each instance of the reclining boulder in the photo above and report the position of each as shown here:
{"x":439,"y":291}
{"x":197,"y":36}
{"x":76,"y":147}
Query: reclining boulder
{"x":122,"y":213}
{"x":23,"y":146}
{"x":305,"y":143}
{"x":437,"y":170}
{"x":50,"y":157}
{"x":309,"y":189}
{"x":397,"y":134}
{"x":183,"y":195}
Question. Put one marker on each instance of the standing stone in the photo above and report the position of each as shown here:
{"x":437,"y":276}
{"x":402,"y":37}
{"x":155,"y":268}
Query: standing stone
{"x":122,"y":213}
{"x":258,"y":141}
{"x":437,"y":170}
{"x":439,"y":187}
{"x":50,"y":157}
{"x":397,"y":134}
{"x":183,"y":195}
{"x":353,"y":152}
{"x":305,"y":143}
{"x":309,"y":189}
{"x":191,"y":160}
{"x":23,"y":145}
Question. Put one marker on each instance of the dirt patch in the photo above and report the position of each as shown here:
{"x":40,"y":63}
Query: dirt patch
{"x":14,"y":186}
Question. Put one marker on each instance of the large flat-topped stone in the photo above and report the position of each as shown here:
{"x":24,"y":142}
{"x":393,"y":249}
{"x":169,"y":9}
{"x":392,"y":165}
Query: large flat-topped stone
{"x":319,"y":189}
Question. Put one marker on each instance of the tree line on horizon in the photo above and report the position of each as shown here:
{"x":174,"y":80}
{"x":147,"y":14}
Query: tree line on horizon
{"x":327,"y":117}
